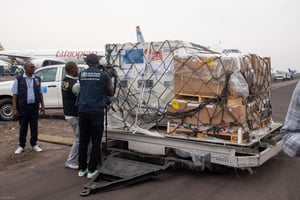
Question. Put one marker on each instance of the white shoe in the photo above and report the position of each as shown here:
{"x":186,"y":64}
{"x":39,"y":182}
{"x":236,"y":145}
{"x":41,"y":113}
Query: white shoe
{"x":92,"y":174}
{"x":82,"y":172}
{"x":19,"y":150}
{"x":71,"y":165}
{"x":36,"y":148}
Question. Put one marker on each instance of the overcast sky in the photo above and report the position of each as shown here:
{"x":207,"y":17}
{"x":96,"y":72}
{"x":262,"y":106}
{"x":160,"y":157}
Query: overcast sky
{"x":265,"y":27}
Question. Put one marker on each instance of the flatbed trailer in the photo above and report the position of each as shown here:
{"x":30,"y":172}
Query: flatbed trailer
{"x":252,"y":154}
{"x":144,"y":156}
{"x":208,"y":109}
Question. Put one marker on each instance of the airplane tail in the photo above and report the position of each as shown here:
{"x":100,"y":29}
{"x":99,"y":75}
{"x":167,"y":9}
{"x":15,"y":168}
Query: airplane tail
{"x":139,"y":35}
{"x":1,"y":47}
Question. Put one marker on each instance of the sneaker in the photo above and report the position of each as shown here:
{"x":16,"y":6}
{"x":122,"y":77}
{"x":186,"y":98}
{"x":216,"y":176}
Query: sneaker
{"x":82,"y":172}
{"x":92,"y":174}
{"x":71,"y":165}
{"x":19,"y":150}
{"x":36,"y":148}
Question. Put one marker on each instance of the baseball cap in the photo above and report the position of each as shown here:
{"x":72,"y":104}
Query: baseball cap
{"x":92,"y":58}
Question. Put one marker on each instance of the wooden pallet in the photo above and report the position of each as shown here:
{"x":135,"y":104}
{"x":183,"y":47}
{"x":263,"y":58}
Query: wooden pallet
{"x":264,"y":123}
{"x":175,"y":131}
{"x":231,"y":101}
{"x":231,"y":137}
{"x":192,"y":97}
{"x":194,"y":133}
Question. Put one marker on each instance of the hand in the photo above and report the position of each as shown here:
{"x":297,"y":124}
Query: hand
{"x":15,"y":112}
{"x":42,"y":111}
{"x":16,"y":115}
{"x":112,"y":72}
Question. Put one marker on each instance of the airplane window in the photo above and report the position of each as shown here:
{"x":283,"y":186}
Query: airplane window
{"x":47,"y":75}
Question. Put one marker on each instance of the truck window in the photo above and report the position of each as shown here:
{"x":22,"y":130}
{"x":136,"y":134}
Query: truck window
{"x":47,"y":75}
{"x":64,"y":71}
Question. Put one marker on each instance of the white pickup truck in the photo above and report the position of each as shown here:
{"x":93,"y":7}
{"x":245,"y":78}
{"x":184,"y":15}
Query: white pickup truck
{"x":51,"y":77}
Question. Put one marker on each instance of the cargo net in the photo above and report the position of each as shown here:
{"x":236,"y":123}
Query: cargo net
{"x":188,"y":89}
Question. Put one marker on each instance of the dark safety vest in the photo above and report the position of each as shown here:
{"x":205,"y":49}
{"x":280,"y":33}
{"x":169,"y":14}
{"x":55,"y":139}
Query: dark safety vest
{"x":22,"y":91}
{"x":92,"y":97}
{"x":68,"y":97}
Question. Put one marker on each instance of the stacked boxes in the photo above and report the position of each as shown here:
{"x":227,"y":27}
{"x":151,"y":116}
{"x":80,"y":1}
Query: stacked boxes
{"x":190,"y":89}
{"x":220,"y":96}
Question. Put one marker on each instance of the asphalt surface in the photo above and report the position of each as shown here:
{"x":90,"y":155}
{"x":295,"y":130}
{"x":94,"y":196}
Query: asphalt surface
{"x":44,"y":177}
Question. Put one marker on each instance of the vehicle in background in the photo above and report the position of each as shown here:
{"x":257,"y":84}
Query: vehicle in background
{"x":4,"y":67}
{"x":292,"y":72}
{"x":51,"y":77}
{"x":282,"y":76}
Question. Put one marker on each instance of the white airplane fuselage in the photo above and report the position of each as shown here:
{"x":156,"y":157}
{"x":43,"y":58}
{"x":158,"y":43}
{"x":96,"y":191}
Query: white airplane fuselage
{"x":38,"y":57}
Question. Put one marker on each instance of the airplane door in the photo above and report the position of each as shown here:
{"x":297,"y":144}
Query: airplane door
{"x":51,"y":87}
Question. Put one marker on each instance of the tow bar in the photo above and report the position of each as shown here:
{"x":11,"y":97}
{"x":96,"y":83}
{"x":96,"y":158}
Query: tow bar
{"x":118,"y":172}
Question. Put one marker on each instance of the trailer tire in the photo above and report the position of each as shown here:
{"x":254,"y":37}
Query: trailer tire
{"x":6,"y":109}
{"x":218,"y":169}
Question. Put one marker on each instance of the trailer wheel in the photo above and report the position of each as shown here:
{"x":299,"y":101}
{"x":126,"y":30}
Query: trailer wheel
{"x":6,"y":109}
{"x":218,"y":169}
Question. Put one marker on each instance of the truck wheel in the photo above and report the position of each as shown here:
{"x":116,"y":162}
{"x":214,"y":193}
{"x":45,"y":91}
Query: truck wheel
{"x":6,"y":109}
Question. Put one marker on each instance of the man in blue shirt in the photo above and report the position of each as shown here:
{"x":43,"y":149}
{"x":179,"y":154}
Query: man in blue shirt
{"x":27,"y":96}
{"x":291,"y":127}
{"x":95,"y":87}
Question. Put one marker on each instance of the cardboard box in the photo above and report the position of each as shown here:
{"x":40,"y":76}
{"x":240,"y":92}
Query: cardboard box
{"x":193,"y":85}
{"x":207,"y":76}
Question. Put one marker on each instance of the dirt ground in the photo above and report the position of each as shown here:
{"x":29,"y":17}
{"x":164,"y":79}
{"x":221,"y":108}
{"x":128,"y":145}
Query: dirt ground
{"x":52,"y":128}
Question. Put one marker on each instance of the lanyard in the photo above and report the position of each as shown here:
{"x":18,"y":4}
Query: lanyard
{"x":28,"y":82}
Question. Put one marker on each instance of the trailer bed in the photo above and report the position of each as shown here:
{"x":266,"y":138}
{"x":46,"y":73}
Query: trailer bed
{"x":252,"y":154}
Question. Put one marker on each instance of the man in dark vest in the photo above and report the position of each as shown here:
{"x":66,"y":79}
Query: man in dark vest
{"x":69,"y":89}
{"x":95,"y":87}
{"x":27,"y":97}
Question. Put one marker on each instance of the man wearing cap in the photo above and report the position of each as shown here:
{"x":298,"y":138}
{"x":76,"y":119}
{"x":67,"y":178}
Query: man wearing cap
{"x":95,"y":86}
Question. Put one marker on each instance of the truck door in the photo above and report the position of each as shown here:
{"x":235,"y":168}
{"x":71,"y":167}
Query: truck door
{"x":50,"y":86}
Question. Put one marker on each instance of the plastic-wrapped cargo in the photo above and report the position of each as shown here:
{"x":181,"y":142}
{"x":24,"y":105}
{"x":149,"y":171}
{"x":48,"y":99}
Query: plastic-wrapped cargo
{"x":190,"y":88}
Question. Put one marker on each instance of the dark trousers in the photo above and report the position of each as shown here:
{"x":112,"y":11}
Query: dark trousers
{"x":28,"y":115}
{"x":91,"y":128}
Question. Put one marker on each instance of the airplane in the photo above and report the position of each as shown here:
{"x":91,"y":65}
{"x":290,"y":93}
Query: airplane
{"x":43,"y":57}
{"x":139,"y":35}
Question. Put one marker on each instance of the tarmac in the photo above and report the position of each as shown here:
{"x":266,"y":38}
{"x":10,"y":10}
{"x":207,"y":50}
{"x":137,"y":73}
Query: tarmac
{"x":43,"y":176}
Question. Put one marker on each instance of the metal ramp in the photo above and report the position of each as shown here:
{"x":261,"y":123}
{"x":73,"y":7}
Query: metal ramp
{"x":119,"y":172}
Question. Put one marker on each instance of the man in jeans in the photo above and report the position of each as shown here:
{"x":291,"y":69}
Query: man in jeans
{"x":95,"y":86}
{"x":69,"y":95}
